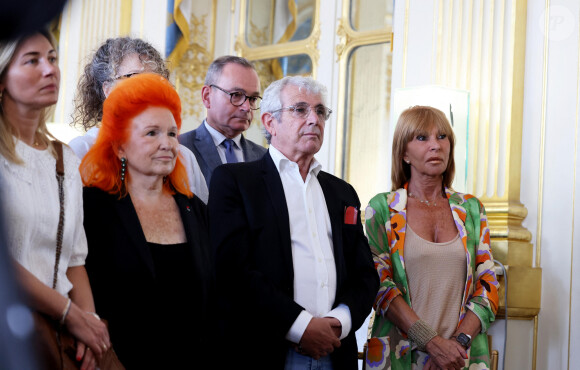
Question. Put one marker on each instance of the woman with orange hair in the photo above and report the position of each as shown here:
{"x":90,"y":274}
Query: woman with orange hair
{"x":147,"y":234}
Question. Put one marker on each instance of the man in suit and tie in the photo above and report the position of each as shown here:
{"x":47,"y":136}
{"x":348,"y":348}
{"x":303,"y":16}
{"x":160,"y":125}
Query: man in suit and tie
{"x":231,"y":94}
{"x":293,"y":265}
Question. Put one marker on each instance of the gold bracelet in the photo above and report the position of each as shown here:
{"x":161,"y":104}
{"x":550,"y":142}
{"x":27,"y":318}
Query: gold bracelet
{"x":421,"y":333}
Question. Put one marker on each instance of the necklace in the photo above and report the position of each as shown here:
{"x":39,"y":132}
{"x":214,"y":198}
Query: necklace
{"x":424,"y":201}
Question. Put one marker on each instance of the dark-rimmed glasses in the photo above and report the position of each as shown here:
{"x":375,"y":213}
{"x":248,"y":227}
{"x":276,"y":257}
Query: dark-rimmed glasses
{"x":238,"y":98}
{"x":302,"y":110}
{"x":128,"y":75}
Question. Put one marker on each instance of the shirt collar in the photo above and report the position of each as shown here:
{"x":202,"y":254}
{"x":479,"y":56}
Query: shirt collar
{"x":218,"y":137}
{"x":281,"y":161}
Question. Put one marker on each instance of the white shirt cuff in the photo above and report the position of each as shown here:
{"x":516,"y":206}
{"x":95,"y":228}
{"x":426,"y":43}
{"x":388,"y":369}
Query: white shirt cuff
{"x":299,"y":327}
{"x":342,"y":314}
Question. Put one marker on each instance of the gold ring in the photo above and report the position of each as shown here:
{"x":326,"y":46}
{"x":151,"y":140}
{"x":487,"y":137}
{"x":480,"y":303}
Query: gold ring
{"x":105,"y":347}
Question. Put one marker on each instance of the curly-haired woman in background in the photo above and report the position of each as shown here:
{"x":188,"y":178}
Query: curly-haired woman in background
{"x":117,"y":59}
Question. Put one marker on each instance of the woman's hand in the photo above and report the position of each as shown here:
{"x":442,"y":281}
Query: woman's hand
{"x":430,"y":365}
{"x":88,"y":330}
{"x":85,"y":353}
{"x":446,"y":353}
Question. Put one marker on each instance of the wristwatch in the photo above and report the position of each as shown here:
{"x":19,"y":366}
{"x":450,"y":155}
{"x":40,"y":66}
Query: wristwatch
{"x":463,"y":339}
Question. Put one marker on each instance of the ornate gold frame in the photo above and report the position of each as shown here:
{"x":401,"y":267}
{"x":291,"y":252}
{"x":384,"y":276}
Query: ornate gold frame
{"x":308,"y":46}
{"x":349,"y":40}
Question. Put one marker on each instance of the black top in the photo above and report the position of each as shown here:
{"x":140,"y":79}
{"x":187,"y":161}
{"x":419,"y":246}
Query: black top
{"x":173,"y":279}
{"x":157,"y":299}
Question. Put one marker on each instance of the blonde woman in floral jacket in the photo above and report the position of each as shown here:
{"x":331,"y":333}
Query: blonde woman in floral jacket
{"x":431,"y":248}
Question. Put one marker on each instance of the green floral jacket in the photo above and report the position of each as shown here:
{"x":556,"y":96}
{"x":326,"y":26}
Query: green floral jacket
{"x":388,"y":347}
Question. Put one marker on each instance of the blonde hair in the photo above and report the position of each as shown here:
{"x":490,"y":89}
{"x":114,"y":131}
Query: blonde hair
{"x":7,"y":131}
{"x":412,"y":122}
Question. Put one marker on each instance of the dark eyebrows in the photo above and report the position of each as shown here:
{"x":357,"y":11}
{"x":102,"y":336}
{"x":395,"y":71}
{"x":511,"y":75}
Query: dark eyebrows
{"x":37,"y":53}
{"x":156,"y":126}
{"x":239,"y":89}
{"x":300,"y":103}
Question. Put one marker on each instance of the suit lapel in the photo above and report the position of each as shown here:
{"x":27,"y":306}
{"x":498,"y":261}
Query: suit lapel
{"x":189,"y":224}
{"x":251,"y":153}
{"x":130,"y":221}
{"x":248,"y":157}
{"x":278,"y":200}
{"x":205,"y":145}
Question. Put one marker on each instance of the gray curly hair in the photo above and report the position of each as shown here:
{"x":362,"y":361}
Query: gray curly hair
{"x":272,"y":100}
{"x":103,"y":67}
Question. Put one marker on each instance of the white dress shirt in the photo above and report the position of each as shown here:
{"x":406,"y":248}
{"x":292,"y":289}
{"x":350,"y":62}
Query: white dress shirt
{"x":312,"y":250}
{"x":218,"y":138}
{"x":81,"y":145}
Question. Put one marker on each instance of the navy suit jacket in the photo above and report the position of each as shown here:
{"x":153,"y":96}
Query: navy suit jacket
{"x":200,"y":142}
{"x":250,"y":238}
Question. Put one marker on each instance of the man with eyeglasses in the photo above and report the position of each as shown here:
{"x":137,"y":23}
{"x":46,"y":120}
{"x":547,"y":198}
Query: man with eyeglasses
{"x":293,"y":265}
{"x":231,"y":94}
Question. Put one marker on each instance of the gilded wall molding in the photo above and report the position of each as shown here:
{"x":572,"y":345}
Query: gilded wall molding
{"x":308,"y":46}
{"x":192,"y":67}
{"x":496,"y":120}
{"x":349,"y":39}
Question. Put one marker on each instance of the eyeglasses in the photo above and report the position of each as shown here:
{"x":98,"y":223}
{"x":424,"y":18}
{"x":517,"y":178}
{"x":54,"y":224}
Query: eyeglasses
{"x":302,"y":110}
{"x":128,"y":75}
{"x":238,"y":98}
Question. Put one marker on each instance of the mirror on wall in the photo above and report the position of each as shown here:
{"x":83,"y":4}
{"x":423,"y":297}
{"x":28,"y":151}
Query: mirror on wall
{"x":270,"y":70}
{"x":370,"y":15}
{"x":275,"y":68}
{"x":276,"y":21}
{"x":366,"y":119}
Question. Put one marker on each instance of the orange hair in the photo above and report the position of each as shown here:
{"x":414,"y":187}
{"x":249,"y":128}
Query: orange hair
{"x":101,"y":166}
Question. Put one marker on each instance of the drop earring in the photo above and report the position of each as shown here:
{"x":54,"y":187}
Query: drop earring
{"x":123,"y":168}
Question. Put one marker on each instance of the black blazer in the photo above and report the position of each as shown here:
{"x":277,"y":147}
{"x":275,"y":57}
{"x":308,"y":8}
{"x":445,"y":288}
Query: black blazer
{"x":200,"y":142}
{"x":121,"y":272}
{"x":250,"y":236}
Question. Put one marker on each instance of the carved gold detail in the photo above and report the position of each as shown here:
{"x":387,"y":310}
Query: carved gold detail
{"x":308,"y":46}
{"x":350,"y":38}
{"x":344,"y":38}
{"x":510,"y":240}
{"x":257,"y":35}
{"x":312,"y":44}
{"x":190,"y":73}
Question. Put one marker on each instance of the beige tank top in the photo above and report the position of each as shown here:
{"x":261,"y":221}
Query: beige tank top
{"x":436,"y":273}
